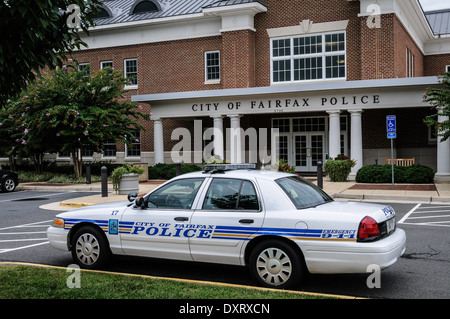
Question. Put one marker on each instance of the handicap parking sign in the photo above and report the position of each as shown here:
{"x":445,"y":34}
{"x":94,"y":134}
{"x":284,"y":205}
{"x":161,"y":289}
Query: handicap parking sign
{"x":391,"y":124}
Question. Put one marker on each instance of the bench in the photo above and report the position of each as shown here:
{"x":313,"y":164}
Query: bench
{"x":401,"y":161}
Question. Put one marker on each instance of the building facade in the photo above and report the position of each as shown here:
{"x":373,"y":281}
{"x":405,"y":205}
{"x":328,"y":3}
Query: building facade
{"x":307,"y":79}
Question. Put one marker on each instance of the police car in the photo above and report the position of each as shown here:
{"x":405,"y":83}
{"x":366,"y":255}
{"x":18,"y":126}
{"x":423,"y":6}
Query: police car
{"x":279,"y":225}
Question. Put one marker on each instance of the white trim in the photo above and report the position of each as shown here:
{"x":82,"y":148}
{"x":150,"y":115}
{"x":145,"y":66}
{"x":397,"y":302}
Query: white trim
{"x":306,"y":27}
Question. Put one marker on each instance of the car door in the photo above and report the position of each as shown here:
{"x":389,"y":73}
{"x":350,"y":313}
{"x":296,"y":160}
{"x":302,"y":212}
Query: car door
{"x":229,"y":214}
{"x":159,"y":227}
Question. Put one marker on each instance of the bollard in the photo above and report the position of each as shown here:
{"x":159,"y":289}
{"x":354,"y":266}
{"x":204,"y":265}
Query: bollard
{"x":178,"y":169}
{"x":104,"y":177}
{"x":320,"y":174}
{"x":88,"y":173}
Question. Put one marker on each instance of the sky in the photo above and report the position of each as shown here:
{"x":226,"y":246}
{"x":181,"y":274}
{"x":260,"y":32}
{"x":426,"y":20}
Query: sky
{"x":429,"y":5}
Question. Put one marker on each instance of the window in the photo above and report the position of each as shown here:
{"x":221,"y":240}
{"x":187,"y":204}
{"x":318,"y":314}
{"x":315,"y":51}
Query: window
{"x":302,"y":193}
{"x":144,"y":6}
{"x":85,"y":68}
{"x":212,"y":66}
{"x":109,"y":149}
{"x":447,"y":68}
{"x":105,"y":64}
{"x":410,"y":63}
{"x":179,"y":194}
{"x":131,"y":71}
{"x":134,"y":150}
{"x":309,"y":58}
{"x":231,"y":194}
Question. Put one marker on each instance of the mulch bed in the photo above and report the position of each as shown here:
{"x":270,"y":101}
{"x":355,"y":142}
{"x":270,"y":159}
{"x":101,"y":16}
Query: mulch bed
{"x":401,"y":187}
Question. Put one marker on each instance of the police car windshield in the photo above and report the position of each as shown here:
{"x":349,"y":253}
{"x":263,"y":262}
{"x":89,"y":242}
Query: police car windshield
{"x":303,"y":193}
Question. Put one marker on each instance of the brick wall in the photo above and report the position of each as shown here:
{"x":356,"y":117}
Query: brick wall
{"x":435,"y":64}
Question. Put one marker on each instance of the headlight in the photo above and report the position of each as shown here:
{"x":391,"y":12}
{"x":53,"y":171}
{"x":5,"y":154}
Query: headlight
{"x":58,"y":222}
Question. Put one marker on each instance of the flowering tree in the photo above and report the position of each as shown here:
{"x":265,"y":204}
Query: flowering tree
{"x":67,"y":111}
{"x":440,"y":97}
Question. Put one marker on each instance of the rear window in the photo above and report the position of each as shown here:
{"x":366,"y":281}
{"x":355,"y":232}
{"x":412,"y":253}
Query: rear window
{"x":303,"y":193}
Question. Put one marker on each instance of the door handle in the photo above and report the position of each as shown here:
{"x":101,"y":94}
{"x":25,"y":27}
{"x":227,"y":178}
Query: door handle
{"x":181,"y":219}
{"x":246,"y":221}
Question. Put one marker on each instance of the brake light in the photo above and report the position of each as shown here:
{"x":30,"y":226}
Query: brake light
{"x":368,"y":229}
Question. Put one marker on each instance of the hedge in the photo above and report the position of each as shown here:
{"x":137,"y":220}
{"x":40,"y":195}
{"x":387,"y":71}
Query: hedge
{"x":416,"y":174}
{"x":168,"y":171}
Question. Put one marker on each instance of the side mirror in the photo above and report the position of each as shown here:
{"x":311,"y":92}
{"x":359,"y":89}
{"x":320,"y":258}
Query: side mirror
{"x":132,"y":196}
{"x":140,"y":202}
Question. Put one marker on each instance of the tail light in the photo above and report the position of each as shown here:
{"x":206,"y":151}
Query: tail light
{"x":368,"y":229}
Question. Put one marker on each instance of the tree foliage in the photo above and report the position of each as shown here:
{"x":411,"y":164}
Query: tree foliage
{"x":35,"y":34}
{"x":67,"y":111}
{"x":440,"y":98}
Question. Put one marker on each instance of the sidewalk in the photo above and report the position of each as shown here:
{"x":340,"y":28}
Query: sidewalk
{"x":426,"y":193}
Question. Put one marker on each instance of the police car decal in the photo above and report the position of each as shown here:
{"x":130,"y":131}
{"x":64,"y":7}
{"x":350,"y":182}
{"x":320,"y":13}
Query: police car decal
{"x":115,"y":227}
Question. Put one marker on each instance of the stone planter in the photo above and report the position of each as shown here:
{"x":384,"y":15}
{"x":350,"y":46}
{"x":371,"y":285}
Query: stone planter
{"x":129,"y":183}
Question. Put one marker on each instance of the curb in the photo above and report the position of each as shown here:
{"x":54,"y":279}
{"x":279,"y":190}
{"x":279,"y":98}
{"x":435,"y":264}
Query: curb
{"x":368,"y":197}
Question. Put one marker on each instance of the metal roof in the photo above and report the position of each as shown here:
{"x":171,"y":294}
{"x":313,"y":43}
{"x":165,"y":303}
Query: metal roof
{"x":439,"y":21}
{"x":121,"y":9}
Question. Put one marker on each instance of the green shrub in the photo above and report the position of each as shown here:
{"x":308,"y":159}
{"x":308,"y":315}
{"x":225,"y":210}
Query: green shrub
{"x":168,"y":171}
{"x":416,"y":174}
{"x":339,"y":168}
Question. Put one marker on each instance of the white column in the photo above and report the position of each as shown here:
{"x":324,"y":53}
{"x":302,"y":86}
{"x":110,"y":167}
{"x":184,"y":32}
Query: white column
{"x":334,"y":139}
{"x":218,"y":136}
{"x":356,"y":140}
{"x":235,"y":139}
{"x":443,"y":154}
{"x":158,"y":140}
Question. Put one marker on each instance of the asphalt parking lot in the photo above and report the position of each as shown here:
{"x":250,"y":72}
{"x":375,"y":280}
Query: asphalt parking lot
{"x":422,"y":272}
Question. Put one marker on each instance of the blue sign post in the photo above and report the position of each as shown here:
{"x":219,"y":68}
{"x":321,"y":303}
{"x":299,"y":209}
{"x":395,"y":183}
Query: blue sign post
{"x":391,"y":128}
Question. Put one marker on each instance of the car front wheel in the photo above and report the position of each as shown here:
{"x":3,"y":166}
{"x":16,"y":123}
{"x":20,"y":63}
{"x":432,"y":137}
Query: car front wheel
{"x":9,"y":184}
{"x":89,"y":248}
{"x":276,"y":264}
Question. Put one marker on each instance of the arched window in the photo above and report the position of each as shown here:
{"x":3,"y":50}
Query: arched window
{"x":145,"y":6}
{"x":102,"y":13}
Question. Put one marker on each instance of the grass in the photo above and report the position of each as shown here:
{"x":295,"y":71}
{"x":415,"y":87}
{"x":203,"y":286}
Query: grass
{"x":28,"y":282}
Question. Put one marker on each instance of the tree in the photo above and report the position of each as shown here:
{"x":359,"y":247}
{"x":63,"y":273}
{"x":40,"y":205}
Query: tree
{"x":67,"y":111}
{"x":440,"y":98}
{"x":36,"y":34}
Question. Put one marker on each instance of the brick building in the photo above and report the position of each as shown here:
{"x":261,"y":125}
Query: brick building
{"x":325,"y":73}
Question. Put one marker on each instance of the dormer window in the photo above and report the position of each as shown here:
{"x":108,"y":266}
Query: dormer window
{"x":103,"y":12}
{"x":145,"y":6}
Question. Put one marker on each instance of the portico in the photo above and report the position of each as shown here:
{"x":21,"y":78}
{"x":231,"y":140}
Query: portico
{"x":314,"y":121}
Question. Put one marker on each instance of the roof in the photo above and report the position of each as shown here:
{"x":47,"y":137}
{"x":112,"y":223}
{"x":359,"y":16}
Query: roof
{"x":439,"y":21}
{"x":121,"y":9}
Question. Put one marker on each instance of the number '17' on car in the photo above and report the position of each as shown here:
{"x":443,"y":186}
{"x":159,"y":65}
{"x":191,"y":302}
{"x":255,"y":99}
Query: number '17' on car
{"x":277,"y":224}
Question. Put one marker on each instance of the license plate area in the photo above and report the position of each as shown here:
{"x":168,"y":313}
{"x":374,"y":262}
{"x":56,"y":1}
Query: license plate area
{"x":390,"y":225}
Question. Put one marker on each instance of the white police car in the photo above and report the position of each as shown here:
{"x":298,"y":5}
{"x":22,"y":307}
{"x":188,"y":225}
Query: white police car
{"x":278,"y":224}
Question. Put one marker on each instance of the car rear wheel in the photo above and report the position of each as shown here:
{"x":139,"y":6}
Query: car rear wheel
{"x":9,"y":184}
{"x":276,"y":264}
{"x":89,"y":248}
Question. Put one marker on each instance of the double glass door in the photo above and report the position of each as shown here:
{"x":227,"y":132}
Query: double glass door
{"x":302,"y":150}
{"x":308,"y":149}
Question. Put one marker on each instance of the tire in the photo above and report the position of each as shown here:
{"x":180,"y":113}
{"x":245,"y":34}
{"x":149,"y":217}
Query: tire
{"x":275,"y":264}
{"x":90,"y":249}
{"x":9,"y":185}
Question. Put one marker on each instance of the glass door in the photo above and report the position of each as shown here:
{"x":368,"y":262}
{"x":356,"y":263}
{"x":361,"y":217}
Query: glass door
{"x":309,"y":148}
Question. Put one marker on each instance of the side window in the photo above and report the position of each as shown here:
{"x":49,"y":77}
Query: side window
{"x":231,"y":194}
{"x":179,"y":194}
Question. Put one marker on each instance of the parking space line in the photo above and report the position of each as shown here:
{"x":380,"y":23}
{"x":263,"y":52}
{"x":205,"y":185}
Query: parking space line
{"x":408,"y":213}
{"x":23,"y":247}
{"x":28,"y":225}
{"x":21,"y":240}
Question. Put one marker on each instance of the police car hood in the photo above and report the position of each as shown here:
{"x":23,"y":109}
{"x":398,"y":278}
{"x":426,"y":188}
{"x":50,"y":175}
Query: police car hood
{"x":102,"y":207}
{"x":359,"y":210}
